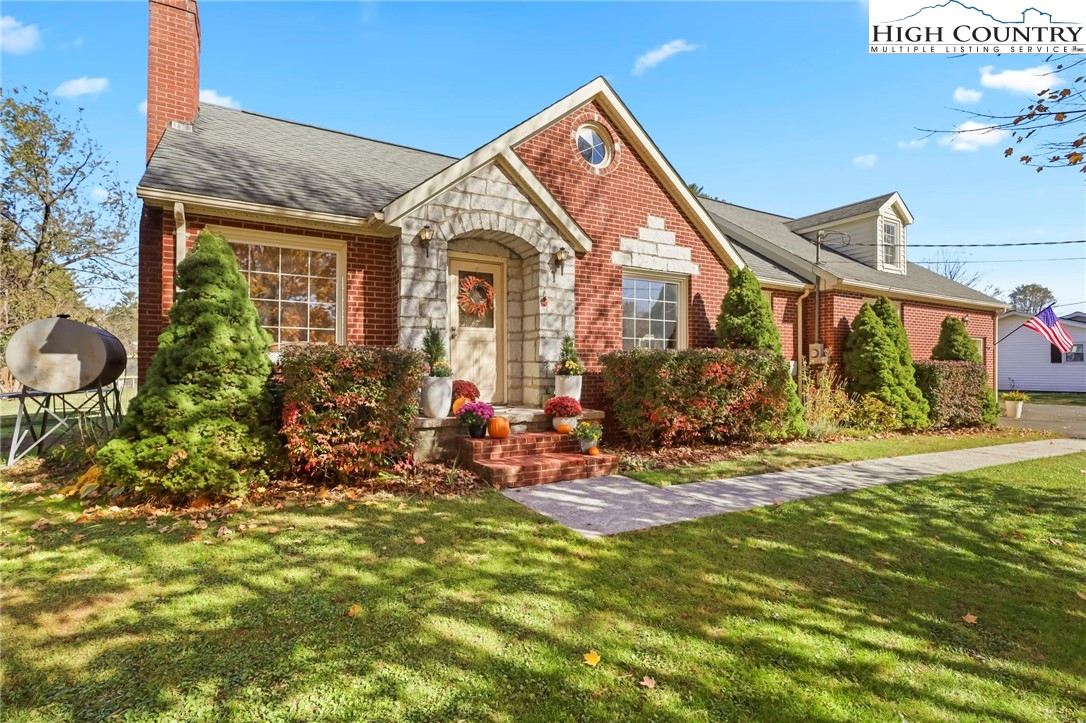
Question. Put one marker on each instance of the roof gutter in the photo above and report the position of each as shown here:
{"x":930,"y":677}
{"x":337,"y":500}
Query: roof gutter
{"x":370,"y":225}
{"x":860,"y":287}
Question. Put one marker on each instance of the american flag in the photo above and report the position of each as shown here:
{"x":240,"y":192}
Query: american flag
{"x":1048,"y":325}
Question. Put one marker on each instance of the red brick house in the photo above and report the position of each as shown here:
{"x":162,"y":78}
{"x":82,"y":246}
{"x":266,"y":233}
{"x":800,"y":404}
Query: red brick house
{"x":575,"y":217}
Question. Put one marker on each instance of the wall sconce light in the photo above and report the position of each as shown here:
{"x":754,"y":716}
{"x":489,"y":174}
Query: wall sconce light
{"x":965,"y":319}
{"x":426,"y":234}
{"x":560,"y":258}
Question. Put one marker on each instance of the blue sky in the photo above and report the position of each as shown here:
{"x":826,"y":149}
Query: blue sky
{"x":794,"y":123}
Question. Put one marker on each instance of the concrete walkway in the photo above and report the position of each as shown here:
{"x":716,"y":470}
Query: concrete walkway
{"x":610,"y":505}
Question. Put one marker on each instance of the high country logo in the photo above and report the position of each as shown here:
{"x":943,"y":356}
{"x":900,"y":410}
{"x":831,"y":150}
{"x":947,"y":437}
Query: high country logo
{"x":977,"y":26}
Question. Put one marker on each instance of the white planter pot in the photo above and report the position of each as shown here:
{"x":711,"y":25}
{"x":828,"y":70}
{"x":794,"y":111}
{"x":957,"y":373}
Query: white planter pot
{"x":1013,"y":409}
{"x":570,"y":422}
{"x":587,"y":444}
{"x":437,"y":396}
{"x":568,"y":386}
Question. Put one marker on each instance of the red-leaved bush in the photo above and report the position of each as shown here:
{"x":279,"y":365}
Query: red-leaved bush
{"x":698,"y":395}
{"x":465,"y":389}
{"x":348,"y":410}
{"x":958,"y":393}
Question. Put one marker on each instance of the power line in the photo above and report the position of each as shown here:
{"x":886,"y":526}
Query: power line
{"x":995,"y":261}
{"x":975,"y":246}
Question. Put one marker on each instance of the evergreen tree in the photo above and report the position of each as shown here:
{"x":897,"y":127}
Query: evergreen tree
{"x":954,"y":343}
{"x":746,"y":322}
{"x":873,"y":366}
{"x":891,"y":319}
{"x":433,"y":345}
{"x":200,"y":423}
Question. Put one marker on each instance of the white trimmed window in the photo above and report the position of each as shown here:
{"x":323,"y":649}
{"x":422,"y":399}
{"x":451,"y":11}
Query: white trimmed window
{"x":297,"y":285}
{"x":1075,"y":355}
{"x":653,"y":311}
{"x":891,"y":244}
{"x":979,"y":342}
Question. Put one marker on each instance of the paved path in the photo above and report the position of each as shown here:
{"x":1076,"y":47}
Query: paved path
{"x":1064,"y":419}
{"x":610,"y":505}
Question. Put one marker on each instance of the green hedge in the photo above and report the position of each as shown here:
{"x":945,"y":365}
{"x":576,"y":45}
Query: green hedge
{"x":699,"y":395}
{"x":348,"y":410}
{"x":958,"y":393}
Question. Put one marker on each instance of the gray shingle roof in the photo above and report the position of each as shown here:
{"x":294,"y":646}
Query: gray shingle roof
{"x":244,"y":156}
{"x":774,"y":230}
{"x":836,"y":214}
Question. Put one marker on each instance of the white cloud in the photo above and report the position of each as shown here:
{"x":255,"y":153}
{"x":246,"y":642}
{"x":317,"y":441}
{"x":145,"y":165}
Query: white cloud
{"x":16,"y":38}
{"x":82,"y":86}
{"x":914,"y":144}
{"x":1030,"y":81}
{"x":971,"y":137}
{"x":967,"y":95}
{"x":210,"y":96}
{"x":868,"y":160}
{"x":658,"y":55}
{"x":142,"y":107}
{"x":99,"y":194}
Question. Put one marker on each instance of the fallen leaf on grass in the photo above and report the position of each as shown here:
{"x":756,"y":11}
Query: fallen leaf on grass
{"x":355,"y":609}
{"x":77,"y":538}
{"x":1081,"y":594}
{"x":970,"y":618}
{"x":350,"y":507}
{"x":200,"y":503}
{"x":223,"y":531}
{"x":592,"y":658}
{"x":272,"y":530}
{"x":420,"y":541}
{"x":649,"y":682}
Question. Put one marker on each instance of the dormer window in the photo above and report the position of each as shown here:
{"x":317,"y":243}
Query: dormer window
{"x":891,"y":244}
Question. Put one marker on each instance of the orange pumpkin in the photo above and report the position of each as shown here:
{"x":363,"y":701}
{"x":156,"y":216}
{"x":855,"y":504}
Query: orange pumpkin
{"x":565,"y":429}
{"x":594,"y":451}
{"x":498,"y":427}
{"x":460,"y":401}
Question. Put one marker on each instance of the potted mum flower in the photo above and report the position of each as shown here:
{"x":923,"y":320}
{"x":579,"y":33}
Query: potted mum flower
{"x":564,"y":411}
{"x":474,"y":416}
{"x":437,"y":388}
{"x":588,"y":434}
{"x":568,"y":372}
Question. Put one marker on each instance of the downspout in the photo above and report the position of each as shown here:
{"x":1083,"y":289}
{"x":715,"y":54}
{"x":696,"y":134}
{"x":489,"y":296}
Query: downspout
{"x":799,"y":340}
{"x":180,"y":234}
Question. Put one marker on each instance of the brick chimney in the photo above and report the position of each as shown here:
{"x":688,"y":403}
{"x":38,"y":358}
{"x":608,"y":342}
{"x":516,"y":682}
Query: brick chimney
{"x":173,"y":67}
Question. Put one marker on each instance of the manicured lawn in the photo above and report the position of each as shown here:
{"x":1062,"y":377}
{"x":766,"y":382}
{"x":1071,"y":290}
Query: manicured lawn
{"x":843,"y":607}
{"x":1075,"y":399}
{"x":814,"y":454}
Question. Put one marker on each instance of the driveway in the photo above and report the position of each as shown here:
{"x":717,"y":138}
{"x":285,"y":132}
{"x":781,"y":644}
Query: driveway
{"x":1066,"y":420}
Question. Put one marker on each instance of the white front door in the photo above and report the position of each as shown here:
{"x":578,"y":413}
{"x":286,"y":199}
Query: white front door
{"x":476,"y":326}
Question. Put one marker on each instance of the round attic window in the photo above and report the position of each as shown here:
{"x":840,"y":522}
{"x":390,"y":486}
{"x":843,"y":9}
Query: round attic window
{"x":594,"y":145}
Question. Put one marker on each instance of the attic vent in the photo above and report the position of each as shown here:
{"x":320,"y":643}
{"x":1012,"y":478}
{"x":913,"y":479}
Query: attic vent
{"x":179,"y":126}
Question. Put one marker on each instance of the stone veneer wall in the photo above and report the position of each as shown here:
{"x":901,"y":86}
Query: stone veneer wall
{"x":487,"y":214}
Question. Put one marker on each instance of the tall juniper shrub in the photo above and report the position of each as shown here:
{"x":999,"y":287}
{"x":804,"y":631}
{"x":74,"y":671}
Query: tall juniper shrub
{"x":201,"y":422}
{"x":746,"y":322}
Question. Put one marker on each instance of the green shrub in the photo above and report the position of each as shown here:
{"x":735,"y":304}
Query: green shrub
{"x":201,"y":422}
{"x":958,"y":393}
{"x":873,"y":366}
{"x":871,"y":414}
{"x":699,"y":395}
{"x":954,"y":343}
{"x":349,"y":410}
{"x":746,"y":322}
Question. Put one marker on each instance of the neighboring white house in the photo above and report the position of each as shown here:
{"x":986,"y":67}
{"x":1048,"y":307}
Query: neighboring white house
{"x":1027,"y":361}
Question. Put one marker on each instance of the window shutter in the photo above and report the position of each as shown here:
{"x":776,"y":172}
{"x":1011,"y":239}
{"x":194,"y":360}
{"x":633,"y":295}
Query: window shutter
{"x":1057,"y":355}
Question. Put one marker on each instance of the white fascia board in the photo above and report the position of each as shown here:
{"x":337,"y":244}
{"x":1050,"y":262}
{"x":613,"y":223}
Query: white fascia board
{"x":902,"y":210}
{"x":861,"y":287}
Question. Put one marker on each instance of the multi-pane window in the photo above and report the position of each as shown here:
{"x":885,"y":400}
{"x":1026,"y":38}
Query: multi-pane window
{"x":1075,"y":355}
{"x":294,"y":291}
{"x":891,"y":244}
{"x":650,"y":313}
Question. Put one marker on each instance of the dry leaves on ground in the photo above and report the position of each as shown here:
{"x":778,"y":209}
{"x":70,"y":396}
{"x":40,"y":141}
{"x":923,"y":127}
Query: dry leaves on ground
{"x":592,"y":658}
{"x":970,"y":618}
{"x":648,"y":682}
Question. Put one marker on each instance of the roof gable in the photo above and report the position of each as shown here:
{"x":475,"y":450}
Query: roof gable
{"x":601,"y":93}
{"x":867,"y":207}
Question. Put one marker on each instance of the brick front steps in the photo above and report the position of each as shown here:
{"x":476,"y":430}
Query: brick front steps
{"x":533,"y":458}
{"x":437,"y":438}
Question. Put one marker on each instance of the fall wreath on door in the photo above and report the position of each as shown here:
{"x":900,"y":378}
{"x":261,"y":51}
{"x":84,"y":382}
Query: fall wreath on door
{"x":476,"y":296}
